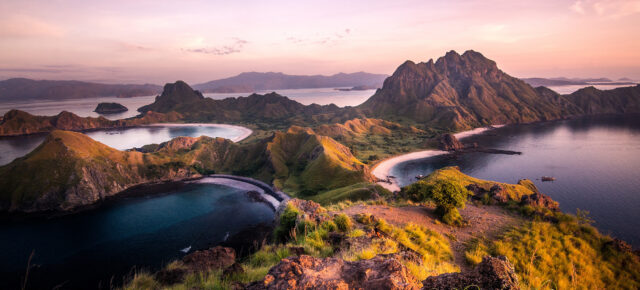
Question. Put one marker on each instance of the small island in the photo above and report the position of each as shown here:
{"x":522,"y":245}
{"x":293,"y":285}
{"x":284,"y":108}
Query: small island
{"x":110,"y":108}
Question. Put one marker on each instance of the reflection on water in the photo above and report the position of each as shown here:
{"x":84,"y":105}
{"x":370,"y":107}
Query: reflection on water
{"x":142,"y":231}
{"x":596,"y":162}
{"x":14,"y":147}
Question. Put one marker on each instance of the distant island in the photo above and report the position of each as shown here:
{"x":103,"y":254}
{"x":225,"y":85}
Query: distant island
{"x":561,"y":81}
{"x":21,"y":89}
{"x":357,"y":88}
{"x":249,"y":82}
{"x":110,"y":108}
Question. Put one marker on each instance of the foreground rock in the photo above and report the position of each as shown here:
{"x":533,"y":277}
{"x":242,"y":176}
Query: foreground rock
{"x":306,"y":272}
{"x":110,"y":108}
{"x":201,"y":261}
{"x":491,"y":273}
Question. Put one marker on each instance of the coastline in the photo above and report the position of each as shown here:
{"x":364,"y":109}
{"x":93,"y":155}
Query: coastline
{"x":246,"y":131}
{"x":383,"y":168}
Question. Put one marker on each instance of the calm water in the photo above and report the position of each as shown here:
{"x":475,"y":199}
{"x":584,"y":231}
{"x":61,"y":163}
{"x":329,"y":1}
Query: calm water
{"x":573,"y":88}
{"x":596,"y":162}
{"x":80,"y":107}
{"x":146,"y":232}
{"x":14,"y":147}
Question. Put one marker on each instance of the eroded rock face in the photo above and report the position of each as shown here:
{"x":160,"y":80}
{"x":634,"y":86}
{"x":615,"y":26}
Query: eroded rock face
{"x":491,"y":273}
{"x":498,"y":193}
{"x":214,"y":258}
{"x":538,"y":199}
{"x":306,"y":272}
{"x":448,"y":142}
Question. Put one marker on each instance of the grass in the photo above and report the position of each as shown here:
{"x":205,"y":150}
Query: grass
{"x":453,"y":174}
{"x":355,"y":192}
{"x":564,"y":255}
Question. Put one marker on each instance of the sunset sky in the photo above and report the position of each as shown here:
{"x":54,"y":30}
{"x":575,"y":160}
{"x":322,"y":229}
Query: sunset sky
{"x":162,"y":41}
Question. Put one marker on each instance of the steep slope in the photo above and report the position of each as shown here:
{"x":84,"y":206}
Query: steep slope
{"x":308,"y":163}
{"x":20,"y":89}
{"x":70,"y":170}
{"x":252,"y":81}
{"x":593,"y":101}
{"x":462,"y":91}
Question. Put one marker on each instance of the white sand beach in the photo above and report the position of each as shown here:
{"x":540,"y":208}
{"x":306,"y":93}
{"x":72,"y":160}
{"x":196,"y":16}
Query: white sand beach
{"x":246,"y":132}
{"x":383,"y":169}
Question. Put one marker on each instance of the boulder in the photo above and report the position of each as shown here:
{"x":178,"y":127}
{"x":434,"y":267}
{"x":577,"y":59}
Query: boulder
{"x":234,"y":269}
{"x":498,"y":193}
{"x":476,"y":191}
{"x":449,"y":142}
{"x":541,"y":200}
{"x":306,"y":272}
{"x":214,"y":258}
{"x":491,"y":273}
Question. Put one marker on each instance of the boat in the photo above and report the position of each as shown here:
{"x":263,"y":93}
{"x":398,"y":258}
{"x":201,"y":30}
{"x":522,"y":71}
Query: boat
{"x":186,"y":250}
{"x":419,"y":176}
{"x":548,"y":178}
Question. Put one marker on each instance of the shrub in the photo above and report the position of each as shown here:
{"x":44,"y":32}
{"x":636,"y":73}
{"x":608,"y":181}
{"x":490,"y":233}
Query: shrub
{"x":364,"y":218}
{"x":287,"y":222}
{"x":447,"y":194}
{"x":329,"y":226}
{"x":343,"y":222}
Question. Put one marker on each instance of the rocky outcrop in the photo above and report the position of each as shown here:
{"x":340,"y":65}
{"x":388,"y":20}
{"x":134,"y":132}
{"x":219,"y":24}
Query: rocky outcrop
{"x":491,"y":273}
{"x":497,"y":193}
{"x":214,"y":258}
{"x":540,"y":200}
{"x":110,"y":108}
{"x":449,"y":142}
{"x":306,"y":272}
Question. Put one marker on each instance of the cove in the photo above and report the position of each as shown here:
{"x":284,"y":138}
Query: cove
{"x":127,"y":138}
{"x":100,"y":247}
{"x":594,"y":160}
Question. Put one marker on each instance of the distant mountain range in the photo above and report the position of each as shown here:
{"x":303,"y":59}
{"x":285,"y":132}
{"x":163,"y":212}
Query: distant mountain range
{"x":561,"y":81}
{"x":249,"y":82}
{"x":19,"y":89}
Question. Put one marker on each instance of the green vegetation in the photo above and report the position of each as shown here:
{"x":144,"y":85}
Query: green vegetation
{"x":563,"y":255}
{"x":355,"y":192}
{"x":448,"y":195}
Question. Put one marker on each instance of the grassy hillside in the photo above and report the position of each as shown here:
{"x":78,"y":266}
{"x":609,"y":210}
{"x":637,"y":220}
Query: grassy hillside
{"x":70,"y":169}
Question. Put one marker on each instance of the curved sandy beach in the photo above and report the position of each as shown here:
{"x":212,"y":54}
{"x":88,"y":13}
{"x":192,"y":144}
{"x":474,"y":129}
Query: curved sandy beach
{"x":383,"y":169}
{"x":246,"y":132}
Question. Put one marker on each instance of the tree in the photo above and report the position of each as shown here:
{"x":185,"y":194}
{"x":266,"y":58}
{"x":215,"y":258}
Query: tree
{"x":448,"y":196}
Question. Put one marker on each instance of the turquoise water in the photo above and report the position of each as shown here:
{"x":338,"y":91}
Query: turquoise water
{"x":93,"y":246}
{"x":14,"y":147}
{"x":596,"y":162}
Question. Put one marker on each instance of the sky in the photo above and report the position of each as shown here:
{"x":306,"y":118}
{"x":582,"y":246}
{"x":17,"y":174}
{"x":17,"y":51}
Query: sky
{"x":160,"y":41}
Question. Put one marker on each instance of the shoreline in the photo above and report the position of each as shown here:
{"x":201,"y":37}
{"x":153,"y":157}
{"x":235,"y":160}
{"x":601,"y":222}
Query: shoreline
{"x":383,"y":168}
{"x":246,"y":131}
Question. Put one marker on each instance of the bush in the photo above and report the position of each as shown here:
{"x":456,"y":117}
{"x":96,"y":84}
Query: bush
{"x":447,"y":195}
{"x":343,"y":222}
{"x":329,"y":226}
{"x":453,"y":217}
{"x":287,"y":222}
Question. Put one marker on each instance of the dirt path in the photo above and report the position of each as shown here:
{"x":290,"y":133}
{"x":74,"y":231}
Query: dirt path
{"x":484,"y":221}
